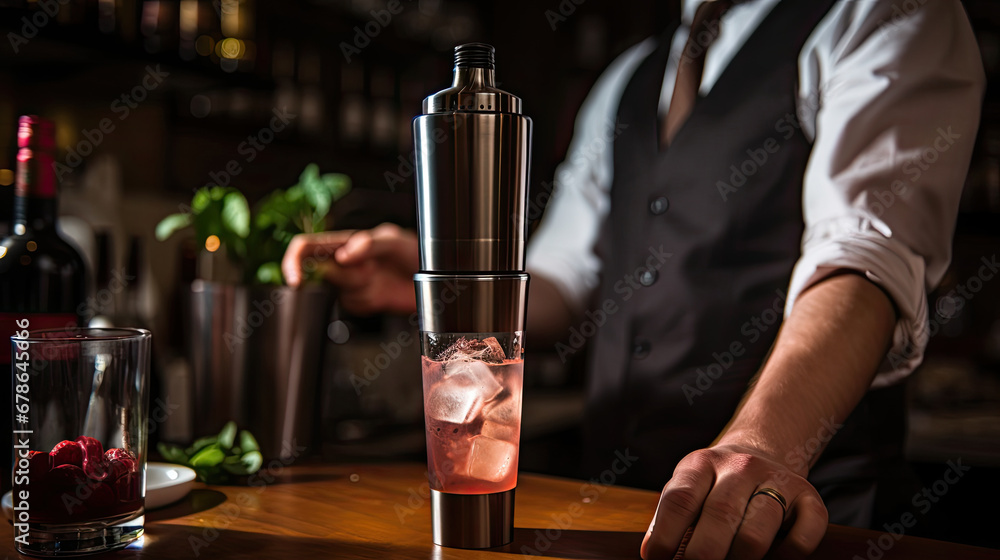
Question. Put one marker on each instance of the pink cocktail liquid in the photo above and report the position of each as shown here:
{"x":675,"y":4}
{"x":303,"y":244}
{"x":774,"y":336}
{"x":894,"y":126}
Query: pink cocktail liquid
{"x":472,"y":411}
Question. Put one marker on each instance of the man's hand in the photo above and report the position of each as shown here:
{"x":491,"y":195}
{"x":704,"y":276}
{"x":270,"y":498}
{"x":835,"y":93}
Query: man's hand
{"x":822,"y":363}
{"x":713,"y":491}
{"x":373,"y":268}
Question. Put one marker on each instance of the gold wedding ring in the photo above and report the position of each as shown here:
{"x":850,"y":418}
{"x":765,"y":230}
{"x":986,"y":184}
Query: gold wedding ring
{"x":772,"y":493}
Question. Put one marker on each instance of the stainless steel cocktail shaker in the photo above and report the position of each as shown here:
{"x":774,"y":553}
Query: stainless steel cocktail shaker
{"x":472,"y":157}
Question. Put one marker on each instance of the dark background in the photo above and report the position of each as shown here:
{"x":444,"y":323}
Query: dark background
{"x":351,"y":115}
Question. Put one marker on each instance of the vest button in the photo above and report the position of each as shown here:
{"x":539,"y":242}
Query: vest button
{"x":659,"y":205}
{"x":640,"y":349}
{"x":647,"y":278}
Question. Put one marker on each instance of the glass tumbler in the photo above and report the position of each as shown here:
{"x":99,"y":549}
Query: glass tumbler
{"x":472,"y":410}
{"x":80,"y":401}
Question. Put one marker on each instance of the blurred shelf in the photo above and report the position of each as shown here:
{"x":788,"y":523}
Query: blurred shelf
{"x":972,"y":434}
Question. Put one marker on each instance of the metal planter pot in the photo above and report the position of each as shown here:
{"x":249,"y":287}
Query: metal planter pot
{"x":256,"y":355}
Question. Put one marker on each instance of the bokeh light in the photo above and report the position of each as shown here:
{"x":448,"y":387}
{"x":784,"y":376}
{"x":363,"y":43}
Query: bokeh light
{"x":212,"y":244}
{"x":229,"y":48}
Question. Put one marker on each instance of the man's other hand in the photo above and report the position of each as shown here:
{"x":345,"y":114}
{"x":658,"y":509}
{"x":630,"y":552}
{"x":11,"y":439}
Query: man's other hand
{"x":373,"y":268}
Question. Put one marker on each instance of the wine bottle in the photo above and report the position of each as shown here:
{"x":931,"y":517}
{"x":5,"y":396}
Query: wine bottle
{"x":42,"y":277}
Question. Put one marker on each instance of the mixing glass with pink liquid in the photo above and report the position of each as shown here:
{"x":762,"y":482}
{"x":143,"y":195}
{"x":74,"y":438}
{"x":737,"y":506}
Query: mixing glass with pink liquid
{"x":472,"y":410}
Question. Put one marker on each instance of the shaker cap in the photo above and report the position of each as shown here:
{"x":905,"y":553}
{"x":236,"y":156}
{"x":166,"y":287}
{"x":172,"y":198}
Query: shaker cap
{"x":473,"y":88}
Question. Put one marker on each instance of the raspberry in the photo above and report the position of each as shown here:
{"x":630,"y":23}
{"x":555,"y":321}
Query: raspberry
{"x":67,"y":453}
{"x":66,"y":476}
{"x":93,"y":458}
{"x":127,"y":487}
{"x":120,"y":462}
{"x":101,"y":496}
{"x":39,"y":464}
{"x":91,"y":447}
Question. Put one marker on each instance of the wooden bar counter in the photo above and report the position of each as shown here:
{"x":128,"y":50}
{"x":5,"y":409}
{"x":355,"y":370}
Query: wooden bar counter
{"x":382,"y":512}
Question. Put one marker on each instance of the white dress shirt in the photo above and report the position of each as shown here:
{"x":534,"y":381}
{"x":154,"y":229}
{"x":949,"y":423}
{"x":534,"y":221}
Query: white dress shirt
{"x":890,"y":95}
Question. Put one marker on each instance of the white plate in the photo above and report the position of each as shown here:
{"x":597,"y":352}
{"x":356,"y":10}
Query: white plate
{"x":165,"y":484}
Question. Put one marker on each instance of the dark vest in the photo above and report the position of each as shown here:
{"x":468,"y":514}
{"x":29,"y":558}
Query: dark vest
{"x":698,"y":251}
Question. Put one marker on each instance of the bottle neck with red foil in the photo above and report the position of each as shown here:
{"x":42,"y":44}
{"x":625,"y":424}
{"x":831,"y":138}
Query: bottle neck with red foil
{"x":35,"y":188}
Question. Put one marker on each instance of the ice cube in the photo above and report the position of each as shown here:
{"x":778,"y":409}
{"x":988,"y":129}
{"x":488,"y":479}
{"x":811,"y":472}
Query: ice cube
{"x":456,"y":400}
{"x":460,"y":349}
{"x":487,"y":350}
{"x":461,"y":394}
{"x":477,"y":373}
{"x":500,"y":431}
{"x":501,"y":419}
{"x":494,"y":352}
{"x":506,"y":411}
{"x":491,"y":459}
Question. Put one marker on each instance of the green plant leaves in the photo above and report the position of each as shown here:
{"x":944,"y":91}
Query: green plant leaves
{"x":172,"y":453}
{"x":208,"y":456}
{"x":256,"y":240}
{"x":248,"y":442}
{"x":270,"y":273}
{"x":200,"y":443}
{"x":171,"y":224}
{"x":322,"y":191}
{"x":245,"y":464}
{"x":218,"y":458}
{"x":236,"y":214}
{"x":228,"y":435}
{"x":202,"y":198}
{"x":314,"y":190}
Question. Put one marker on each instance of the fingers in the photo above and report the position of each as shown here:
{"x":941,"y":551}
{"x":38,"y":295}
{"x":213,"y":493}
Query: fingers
{"x":336,"y":251}
{"x":384,"y":241}
{"x":304,"y":249}
{"x":715,"y":491}
{"x":809,"y":521}
{"x":761,"y":522}
{"x":721,"y":517}
{"x":679,"y":506}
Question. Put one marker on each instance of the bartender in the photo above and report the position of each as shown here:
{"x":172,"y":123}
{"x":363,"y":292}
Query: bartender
{"x":758,"y":158}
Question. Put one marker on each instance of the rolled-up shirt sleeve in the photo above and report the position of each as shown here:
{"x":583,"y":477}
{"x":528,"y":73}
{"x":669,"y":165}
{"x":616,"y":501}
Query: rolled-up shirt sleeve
{"x":898,"y":109}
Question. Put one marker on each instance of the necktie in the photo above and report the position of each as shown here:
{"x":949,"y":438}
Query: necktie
{"x":704,"y":31}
